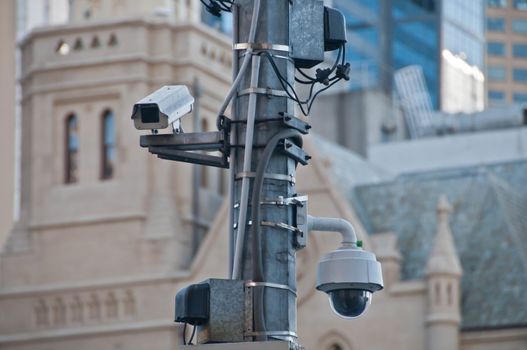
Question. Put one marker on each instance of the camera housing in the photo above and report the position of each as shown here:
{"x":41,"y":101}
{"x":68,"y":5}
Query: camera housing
{"x":350,"y":276}
{"x":162,"y":108}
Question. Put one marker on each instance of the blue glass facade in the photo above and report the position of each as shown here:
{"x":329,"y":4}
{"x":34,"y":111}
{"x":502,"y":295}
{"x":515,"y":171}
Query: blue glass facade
{"x":385,"y":35}
{"x":223,"y":23}
{"x":416,"y":40}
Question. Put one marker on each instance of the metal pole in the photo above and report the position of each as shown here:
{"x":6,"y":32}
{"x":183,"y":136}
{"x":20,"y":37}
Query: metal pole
{"x":196,"y":173}
{"x":277,"y":251}
{"x":234,"y":141}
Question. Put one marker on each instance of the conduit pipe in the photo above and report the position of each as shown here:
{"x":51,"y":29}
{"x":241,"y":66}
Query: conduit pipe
{"x":344,"y":227}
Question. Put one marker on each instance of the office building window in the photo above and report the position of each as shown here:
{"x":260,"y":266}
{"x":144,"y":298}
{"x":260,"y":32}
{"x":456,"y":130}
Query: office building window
{"x":519,"y":50}
{"x":496,"y":96}
{"x":495,"y":48}
{"x":496,"y":73}
{"x":497,"y":3}
{"x":520,"y":97}
{"x":519,"y":75}
{"x":108,"y":145}
{"x":71,"y":149}
{"x":520,"y":4}
{"x":519,"y":26}
{"x":495,"y":24}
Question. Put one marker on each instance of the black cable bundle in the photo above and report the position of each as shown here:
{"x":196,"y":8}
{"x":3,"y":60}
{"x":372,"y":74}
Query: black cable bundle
{"x":216,"y":6}
{"x":340,"y":70}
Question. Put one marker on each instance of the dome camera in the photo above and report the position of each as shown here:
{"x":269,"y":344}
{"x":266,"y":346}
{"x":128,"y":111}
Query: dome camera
{"x":349,"y":276}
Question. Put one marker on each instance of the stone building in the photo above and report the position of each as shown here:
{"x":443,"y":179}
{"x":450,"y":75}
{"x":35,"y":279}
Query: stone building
{"x":104,"y":237}
{"x":7,"y":101}
{"x":506,"y":51}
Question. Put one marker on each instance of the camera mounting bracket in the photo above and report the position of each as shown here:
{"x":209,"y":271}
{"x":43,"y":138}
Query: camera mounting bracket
{"x":189,"y":147}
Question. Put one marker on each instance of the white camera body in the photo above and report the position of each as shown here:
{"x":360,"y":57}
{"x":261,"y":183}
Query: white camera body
{"x":349,"y":276}
{"x":162,"y":108}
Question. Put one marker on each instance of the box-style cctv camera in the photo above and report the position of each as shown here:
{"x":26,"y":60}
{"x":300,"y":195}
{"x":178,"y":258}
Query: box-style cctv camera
{"x":349,"y":276}
{"x":162,"y":108}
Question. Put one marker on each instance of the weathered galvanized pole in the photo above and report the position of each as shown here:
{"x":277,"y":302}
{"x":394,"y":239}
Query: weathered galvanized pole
{"x":268,"y":257}
{"x":196,"y":172}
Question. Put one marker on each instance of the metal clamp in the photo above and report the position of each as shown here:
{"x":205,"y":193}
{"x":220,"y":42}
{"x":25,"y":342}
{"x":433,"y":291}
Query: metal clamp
{"x":273,"y":333}
{"x":281,"y":201}
{"x":260,"y":46}
{"x":281,"y":225}
{"x":251,"y":284}
{"x":280,"y":177}
{"x":263,"y":91}
{"x":273,"y":55}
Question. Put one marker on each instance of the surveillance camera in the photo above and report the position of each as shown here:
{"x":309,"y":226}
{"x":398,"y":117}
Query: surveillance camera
{"x":162,"y":108}
{"x":349,"y":276}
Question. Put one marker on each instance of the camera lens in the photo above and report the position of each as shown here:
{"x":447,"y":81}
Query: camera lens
{"x":150,"y":114}
{"x":349,"y":303}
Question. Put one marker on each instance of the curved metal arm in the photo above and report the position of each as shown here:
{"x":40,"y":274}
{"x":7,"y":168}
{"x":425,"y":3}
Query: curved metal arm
{"x":344,"y":227}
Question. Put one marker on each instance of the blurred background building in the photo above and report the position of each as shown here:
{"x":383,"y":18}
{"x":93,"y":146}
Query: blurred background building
{"x":385,"y":36}
{"x":506,"y":51}
{"x":105,"y":233}
{"x":8,"y":101}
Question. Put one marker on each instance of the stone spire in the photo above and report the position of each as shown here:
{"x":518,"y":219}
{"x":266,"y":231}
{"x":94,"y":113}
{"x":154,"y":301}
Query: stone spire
{"x":443,"y":258}
{"x":443,"y":275}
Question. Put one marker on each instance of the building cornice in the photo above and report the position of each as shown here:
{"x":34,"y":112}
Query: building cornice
{"x":88,"y":220}
{"x":151,"y":278}
{"x":86,"y":331}
{"x":67,"y":29}
{"x":408,"y":288}
{"x":60,"y":86}
{"x":494,"y":335}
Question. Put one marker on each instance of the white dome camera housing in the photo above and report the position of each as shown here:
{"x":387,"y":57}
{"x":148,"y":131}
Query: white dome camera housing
{"x":349,"y":276}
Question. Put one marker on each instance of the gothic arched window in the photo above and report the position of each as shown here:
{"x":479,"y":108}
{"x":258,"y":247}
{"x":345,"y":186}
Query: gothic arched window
{"x":72,"y":150}
{"x":108,"y":145}
{"x":334,"y":341}
{"x":336,"y":346}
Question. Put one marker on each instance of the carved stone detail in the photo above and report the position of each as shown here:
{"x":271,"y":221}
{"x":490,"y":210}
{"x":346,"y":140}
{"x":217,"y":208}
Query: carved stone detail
{"x":96,"y":306}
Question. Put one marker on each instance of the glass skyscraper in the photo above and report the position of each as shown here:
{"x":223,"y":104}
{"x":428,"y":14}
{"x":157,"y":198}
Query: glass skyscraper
{"x":385,"y":35}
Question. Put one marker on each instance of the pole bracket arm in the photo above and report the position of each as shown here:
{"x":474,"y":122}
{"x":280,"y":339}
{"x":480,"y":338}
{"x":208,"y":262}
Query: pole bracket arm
{"x":344,"y":227}
{"x":189,"y":147}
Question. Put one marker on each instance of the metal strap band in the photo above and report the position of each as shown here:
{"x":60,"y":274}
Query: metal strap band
{"x":273,"y":333}
{"x":281,"y":225}
{"x":270,"y":285}
{"x":260,"y":46}
{"x":281,"y":57}
{"x":280,"y":177}
{"x":263,"y":91}
{"x":281,"y":201}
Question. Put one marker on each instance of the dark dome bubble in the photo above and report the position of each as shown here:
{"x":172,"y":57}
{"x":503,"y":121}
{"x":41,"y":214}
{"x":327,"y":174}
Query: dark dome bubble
{"x":349,"y":303}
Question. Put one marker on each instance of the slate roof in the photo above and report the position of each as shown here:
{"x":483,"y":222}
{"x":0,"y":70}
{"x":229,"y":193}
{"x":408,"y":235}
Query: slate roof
{"x":348,"y":168}
{"x":489,"y":224}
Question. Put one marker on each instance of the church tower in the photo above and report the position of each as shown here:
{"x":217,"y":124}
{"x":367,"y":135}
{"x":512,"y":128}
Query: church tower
{"x":82,"y":11}
{"x":103,"y":223}
{"x":443,"y":274}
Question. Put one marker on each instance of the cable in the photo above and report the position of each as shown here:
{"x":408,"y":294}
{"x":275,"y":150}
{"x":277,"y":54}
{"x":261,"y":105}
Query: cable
{"x":313,"y":80}
{"x":247,"y":159}
{"x":240,"y":237}
{"x":258,"y":274}
{"x":192,"y":336}
{"x":320,"y":91}
{"x":285,"y":84}
{"x":245,"y":63}
{"x":306,"y":105}
{"x":215,"y":7}
{"x":257,"y":192}
{"x":184,"y":333}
